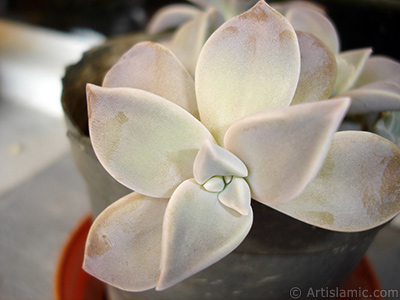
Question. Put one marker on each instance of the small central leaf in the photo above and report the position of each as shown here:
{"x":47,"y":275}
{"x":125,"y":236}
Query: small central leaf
{"x":237,"y":195}
{"x":213,"y":160}
{"x":215,"y":184}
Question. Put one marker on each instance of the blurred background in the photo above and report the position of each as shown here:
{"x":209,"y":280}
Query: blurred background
{"x":42,"y":196}
{"x":362,"y":23}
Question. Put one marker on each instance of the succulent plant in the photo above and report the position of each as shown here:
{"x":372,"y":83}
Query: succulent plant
{"x":254,"y":123}
{"x":194,"y":24}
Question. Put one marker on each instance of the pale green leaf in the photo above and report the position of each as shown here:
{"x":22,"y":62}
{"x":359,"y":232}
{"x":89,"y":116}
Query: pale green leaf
{"x":350,"y":65}
{"x":239,"y":6}
{"x":389,"y":127}
{"x":171,"y":16}
{"x":189,"y":39}
{"x":312,"y":21}
{"x":284,"y":6}
{"x":375,"y":97}
{"x":379,"y":68}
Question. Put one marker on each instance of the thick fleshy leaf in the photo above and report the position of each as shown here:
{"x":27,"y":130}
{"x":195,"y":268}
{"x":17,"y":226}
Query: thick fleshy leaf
{"x":350,"y":65}
{"x":197,"y":232}
{"x":379,"y":68}
{"x":375,"y":97}
{"x":123,"y":247}
{"x":239,"y":6}
{"x":228,"y":8}
{"x":213,"y":160}
{"x":190,"y":37}
{"x":218,"y":4}
{"x":144,"y":141}
{"x":316,"y":23}
{"x":283,"y":149}
{"x":283,"y":7}
{"x":318,"y":70}
{"x":171,"y":16}
{"x":237,"y":195}
{"x":358,"y":187}
{"x":389,"y":127}
{"x":250,"y":64}
{"x":215,"y":184}
{"x":154,"y":68}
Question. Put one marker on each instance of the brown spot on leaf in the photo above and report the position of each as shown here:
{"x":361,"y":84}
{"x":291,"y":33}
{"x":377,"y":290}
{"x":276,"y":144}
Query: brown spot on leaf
{"x":318,"y":70}
{"x":162,"y":50}
{"x":89,"y":97}
{"x":121,"y":118}
{"x":256,"y":14}
{"x":390,"y":187}
{"x":328,"y":167}
{"x":99,"y":245}
{"x":286,"y":35}
{"x":383,"y":203}
{"x":229,"y":31}
{"x":251,"y":43}
{"x":320,"y":218}
{"x":113,"y":129}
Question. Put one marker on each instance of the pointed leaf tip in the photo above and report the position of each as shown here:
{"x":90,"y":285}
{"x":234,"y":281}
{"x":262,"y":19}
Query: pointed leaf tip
{"x":237,"y":195}
{"x":350,"y":65}
{"x":155,"y":164}
{"x":283,"y":149}
{"x":213,"y":160}
{"x":250,"y":64}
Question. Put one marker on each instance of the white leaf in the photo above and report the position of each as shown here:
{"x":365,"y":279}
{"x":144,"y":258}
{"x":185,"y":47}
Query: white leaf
{"x":283,"y":149}
{"x":213,"y":160}
{"x":318,"y":70}
{"x":358,"y":187}
{"x":379,"y":68}
{"x":314,"y":22}
{"x":237,"y":195}
{"x":123,"y":247}
{"x":250,"y":64}
{"x":189,"y":39}
{"x":375,"y":97}
{"x":152,"y":67}
{"x":144,"y":141}
{"x":197,"y":232}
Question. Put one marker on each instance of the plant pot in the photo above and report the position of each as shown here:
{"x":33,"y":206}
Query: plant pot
{"x":279,"y":254}
{"x":73,"y":283}
{"x":278,"y":257}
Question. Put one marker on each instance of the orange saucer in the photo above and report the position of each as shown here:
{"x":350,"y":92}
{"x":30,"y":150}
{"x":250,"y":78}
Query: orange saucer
{"x":73,"y":283}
